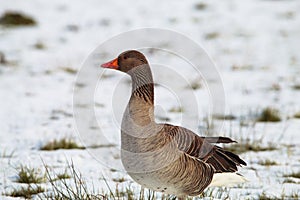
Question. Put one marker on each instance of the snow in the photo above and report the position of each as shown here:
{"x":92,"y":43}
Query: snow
{"x":257,"y":46}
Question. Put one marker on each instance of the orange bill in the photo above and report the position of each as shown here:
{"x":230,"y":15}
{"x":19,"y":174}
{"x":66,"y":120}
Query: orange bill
{"x":111,"y":64}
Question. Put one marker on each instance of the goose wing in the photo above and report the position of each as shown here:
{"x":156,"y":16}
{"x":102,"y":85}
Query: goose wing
{"x":203,"y":149}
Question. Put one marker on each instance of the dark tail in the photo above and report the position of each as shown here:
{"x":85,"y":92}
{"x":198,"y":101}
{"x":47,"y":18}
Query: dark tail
{"x":225,"y":161}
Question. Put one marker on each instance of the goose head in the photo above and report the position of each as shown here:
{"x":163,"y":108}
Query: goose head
{"x":127,"y":61}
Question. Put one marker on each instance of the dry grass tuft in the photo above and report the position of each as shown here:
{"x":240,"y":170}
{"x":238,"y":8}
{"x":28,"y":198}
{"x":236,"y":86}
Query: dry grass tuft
{"x":176,"y":109}
{"x":119,"y":180}
{"x":296,"y":87}
{"x":212,"y":35}
{"x":269,"y":115}
{"x":25,"y":192}
{"x":200,"y":6}
{"x":224,"y":117}
{"x":30,"y":175}
{"x":289,"y":180}
{"x":69,"y":70}
{"x":293,"y":175}
{"x":267,"y":162}
{"x":16,"y":19}
{"x":297,"y":115}
{"x":247,"y":145}
{"x":61,"y":144}
{"x":76,"y":188}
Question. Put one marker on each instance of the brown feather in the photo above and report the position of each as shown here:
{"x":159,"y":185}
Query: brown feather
{"x":201,"y":148}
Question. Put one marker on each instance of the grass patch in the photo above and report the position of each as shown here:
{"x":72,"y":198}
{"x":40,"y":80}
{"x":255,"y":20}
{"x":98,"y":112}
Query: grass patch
{"x":176,"y":109}
{"x":296,"y":87}
{"x":6,"y":154}
{"x":216,"y":193}
{"x":61,"y":144}
{"x":297,"y":115}
{"x":163,"y":118}
{"x":200,"y":6}
{"x":123,"y":194}
{"x":289,"y":180}
{"x":2,"y":58}
{"x":113,"y":170}
{"x":16,"y":19}
{"x":74,"y":189}
{"x":283,"y":196}
{"x":195,"y":85}
{"x":245,"y":67}
{"x":264,"y":196}
{"x":119,"y":180}
{"x":295,"y":195}
{"x":64,"y":175}
{"x":224,"y":117}
{"x":97,"y":146}
{"x":77,"y":188}
{"x":293,"y":175}
{"x":247,"y":145}
{"x":25,"y":192}
{"x":212,"y":35}
{"x":69,"y":70}
{"x":39,"y":45}
{"x":267,"y":162}
{"x":269,"y":115}
{"x":30,"y":175}
{"x":292,"y":196}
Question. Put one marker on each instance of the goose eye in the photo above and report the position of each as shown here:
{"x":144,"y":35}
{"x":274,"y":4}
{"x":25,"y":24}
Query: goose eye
{"x":125,"y":57}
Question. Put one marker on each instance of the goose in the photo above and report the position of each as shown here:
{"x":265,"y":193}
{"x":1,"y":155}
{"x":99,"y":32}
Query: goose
{"x":163,"y":157}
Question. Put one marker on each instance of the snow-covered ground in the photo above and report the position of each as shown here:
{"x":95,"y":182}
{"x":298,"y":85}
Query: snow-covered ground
{"x":254,"y":43}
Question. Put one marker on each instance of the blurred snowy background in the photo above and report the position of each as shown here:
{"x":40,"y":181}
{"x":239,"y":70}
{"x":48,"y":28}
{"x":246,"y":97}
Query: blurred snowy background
{"x":254,"y":43}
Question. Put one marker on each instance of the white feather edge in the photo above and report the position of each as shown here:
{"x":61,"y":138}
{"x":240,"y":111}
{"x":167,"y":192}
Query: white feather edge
{"x":227,"y":179}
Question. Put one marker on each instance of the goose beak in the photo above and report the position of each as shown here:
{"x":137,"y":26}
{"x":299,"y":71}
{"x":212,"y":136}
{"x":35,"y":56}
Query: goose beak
{"x":111,"y":64}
